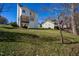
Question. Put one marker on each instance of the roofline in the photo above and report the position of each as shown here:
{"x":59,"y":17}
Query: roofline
{"x":26,"y":8}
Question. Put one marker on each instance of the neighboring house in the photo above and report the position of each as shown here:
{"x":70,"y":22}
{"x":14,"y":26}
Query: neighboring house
{"x":26,"y":17}
{"x":49,"y":24}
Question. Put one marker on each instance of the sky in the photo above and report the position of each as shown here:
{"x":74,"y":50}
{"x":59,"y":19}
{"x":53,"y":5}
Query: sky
{"x":10,"y":12}
{"x":42,"y":10}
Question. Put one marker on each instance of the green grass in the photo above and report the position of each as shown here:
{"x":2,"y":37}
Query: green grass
{"x":24,"y":42}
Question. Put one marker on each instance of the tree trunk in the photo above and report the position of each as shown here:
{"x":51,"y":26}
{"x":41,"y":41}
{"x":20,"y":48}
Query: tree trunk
{"x":74,"y":31}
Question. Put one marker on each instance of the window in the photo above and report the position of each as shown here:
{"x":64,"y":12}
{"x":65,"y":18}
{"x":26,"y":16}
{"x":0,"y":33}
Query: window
{"x":23,"y":11}
{"x":30,"y":13}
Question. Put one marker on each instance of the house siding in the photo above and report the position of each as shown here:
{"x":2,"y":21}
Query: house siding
{"x":28,"y":17}
{"x":48,"y":25}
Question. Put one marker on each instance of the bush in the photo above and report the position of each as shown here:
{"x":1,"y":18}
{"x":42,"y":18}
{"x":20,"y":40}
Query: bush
{"x":56,"y":27}
{"x":3,"y":20}
{"x":14,"y":24}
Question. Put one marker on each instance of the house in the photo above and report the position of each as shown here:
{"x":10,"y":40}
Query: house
{"x":26,"y":17}
{"x":51,"y":24}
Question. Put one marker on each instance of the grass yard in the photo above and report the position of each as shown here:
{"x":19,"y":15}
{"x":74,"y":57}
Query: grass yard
{"x":32,"y":42}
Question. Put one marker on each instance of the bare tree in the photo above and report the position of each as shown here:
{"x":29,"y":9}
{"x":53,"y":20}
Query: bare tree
{"x":72,"y":9}
{"x":60,"y":24}
{"x":73,"y":6}
{"x":53,"y":9}
{"x":76,"y":16}
{"x":68,"y":9}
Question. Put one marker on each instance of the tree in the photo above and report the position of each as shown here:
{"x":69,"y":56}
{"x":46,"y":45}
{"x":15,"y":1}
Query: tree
{"x":50,"y":9}
{"x":3,"y":9}
{"x":14,"y":24}
{"x":3,"y":20}
{"x":60,"y":24}
{"x":68,"y":9}
{"x":76,"y":17}
{"x":72,"y":10}
{"x":73,"y":6}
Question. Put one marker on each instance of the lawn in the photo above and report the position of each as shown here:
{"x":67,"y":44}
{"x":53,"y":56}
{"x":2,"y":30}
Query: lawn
{"x":32,"y":42}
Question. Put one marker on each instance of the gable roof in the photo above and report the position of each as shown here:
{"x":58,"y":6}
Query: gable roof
{"x":48,"y":20}
{"x":25,"y":8}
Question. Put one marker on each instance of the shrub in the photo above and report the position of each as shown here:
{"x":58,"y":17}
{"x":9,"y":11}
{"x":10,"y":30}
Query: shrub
{"x":56,"y":27}
{"x":14,"y":24}
{"x":3,"y":20}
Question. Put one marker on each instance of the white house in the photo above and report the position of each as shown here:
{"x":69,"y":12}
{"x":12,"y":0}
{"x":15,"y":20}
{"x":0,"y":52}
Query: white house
{"x":26,"y":17}
{"x":49,"y":24}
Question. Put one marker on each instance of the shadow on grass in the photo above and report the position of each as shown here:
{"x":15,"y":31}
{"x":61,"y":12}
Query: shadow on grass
{"x":68,"y":42}
{"x":8,"y":27}
{"x":71,"y":43}
{"x":49,"y":39}
{"x":13,"y":36}
{"x":41,"y":28}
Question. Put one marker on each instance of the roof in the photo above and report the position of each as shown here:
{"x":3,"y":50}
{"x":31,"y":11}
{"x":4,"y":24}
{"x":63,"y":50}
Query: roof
{"x":48,"y":21}
{"x":25,"y":8}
